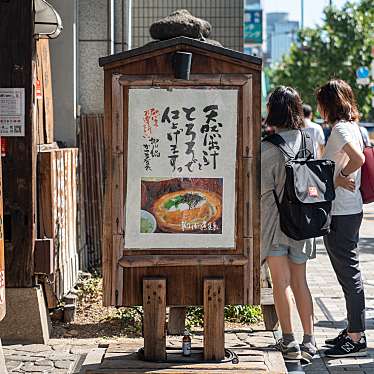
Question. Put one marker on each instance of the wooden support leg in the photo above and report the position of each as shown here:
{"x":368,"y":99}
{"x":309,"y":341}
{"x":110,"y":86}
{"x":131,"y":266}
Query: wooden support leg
{"x":154,"y":304}
{"x":214,"y":319}
{"x":268,"y":309}
{"x":177,"y":319}
{"x":270,"y":317}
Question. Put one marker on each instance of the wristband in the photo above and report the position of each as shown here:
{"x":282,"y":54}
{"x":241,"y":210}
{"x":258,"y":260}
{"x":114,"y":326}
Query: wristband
{"x":342,"y":174}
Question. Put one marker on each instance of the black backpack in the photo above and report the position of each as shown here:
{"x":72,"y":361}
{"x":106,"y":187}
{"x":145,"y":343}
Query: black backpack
{"x":305,"y":209}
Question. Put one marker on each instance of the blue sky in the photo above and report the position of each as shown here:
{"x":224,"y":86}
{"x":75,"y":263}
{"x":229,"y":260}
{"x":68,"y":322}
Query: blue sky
{"x":312,"y":9}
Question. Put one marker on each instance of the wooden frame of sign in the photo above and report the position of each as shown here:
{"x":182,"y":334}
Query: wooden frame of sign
{"x":185,"y":270}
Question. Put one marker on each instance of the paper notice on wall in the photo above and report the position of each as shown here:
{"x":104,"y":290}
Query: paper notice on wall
{"x":181,"y":168}
{"x":12,"y":112}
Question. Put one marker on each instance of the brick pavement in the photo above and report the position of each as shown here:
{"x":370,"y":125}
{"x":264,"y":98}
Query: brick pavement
{"x":329,"y":304}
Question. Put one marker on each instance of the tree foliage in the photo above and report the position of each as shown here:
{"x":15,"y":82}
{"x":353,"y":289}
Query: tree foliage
{"x":333,"y":50}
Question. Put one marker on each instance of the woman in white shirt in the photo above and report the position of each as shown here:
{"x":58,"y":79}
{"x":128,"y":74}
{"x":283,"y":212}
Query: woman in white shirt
{"x":337,"y":106}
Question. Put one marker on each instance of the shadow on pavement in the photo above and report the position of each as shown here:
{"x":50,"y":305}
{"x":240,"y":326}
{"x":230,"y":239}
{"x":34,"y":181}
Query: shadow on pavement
{"x":330,"y":321}
{"x":367,"y":245}
{"x":366,"y":364}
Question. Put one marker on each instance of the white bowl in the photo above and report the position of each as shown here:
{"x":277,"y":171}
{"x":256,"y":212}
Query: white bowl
{"x":150,"y":217}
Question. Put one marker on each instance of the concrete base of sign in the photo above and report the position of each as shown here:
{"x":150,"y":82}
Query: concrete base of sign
{"x":27,"y":320}
{"x":2,"y":361}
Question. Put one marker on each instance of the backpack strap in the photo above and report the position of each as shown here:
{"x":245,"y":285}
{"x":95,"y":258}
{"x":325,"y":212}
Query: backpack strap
{"x":280,"y":143}
{"x":306,"y":149}
{"x":276,"y":198}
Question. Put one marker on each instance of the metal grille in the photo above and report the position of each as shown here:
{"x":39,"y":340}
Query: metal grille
{"x":225,"y":16}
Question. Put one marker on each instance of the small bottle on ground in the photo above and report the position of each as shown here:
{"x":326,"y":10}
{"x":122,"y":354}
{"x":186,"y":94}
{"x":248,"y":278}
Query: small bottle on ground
{"x":186,"y":344}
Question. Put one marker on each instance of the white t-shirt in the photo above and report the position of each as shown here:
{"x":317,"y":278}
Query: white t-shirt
{"x":316,"y":133}
{"x":346,"y":202}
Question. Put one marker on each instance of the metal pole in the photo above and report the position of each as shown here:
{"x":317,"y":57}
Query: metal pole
{"x":129,"y":23}
{"x":302,"y":14}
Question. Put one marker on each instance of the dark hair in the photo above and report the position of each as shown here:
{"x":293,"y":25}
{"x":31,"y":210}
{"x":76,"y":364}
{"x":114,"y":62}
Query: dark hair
{"x":285,"y":109}
{"x":337,"y":102}
{"x":307,"y":109}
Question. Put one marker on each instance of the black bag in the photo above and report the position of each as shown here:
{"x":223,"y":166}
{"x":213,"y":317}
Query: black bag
{"x":305,"y":209}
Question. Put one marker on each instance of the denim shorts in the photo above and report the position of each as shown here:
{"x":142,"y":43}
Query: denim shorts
{"x":295,"y":255}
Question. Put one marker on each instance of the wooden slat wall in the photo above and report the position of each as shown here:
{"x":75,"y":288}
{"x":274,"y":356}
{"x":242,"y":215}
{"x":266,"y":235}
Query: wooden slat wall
{"x":91,"y":189}
{"x":58,"y":213}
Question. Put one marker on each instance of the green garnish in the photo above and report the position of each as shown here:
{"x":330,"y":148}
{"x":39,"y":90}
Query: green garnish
{"x":174,"y":202}
{"x":191,"y":199}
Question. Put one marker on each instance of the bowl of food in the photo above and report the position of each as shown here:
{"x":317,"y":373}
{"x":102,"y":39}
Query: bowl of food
{"x":148,"y":222}
{"x":187,"y":210}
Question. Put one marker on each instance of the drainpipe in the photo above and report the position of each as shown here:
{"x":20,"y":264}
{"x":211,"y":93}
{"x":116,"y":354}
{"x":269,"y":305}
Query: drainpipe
{"x":128,"y":22}
{"x":110,"y":24}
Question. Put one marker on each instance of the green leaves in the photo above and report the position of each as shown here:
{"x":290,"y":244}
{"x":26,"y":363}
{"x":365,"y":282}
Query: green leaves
{"x":333,"y":50}
{"x":233,"y":313}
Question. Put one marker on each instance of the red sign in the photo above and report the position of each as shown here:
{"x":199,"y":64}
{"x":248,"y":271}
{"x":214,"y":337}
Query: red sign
{"x":38,"y":89}
{"x":4,"y":147}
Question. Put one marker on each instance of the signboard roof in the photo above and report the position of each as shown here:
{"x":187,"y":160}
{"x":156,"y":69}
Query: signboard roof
{"x":157,"y":45}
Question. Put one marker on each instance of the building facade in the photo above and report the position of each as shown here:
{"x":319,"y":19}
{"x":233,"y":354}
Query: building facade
{"x":225,"y":17}
{"x":280,"y":34}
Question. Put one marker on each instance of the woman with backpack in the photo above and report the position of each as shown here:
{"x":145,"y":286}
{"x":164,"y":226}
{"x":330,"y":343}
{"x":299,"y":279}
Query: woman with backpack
{"x":337,"y":106}
{"x":285,"y":257}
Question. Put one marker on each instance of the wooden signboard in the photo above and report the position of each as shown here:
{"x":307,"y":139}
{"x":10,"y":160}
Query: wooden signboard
{"x":182,"y":183}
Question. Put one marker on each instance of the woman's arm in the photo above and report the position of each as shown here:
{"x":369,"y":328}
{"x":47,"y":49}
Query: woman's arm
{"x":356,"y":160}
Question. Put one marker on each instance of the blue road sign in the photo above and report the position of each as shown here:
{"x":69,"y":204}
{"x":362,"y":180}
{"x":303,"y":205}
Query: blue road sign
{"x":362,"y":72}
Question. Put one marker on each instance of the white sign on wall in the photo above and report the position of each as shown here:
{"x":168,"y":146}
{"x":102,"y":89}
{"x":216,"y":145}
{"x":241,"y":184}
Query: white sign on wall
{"x":12,"y":112}
{"x":181,"y":168}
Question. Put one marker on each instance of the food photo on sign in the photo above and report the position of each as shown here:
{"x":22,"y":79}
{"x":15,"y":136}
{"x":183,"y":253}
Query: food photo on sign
{"x":181,"y":205}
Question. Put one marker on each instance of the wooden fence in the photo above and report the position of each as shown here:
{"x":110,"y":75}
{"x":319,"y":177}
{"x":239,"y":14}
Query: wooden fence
{"x":91,"y":182}
{"x":57,"y":213}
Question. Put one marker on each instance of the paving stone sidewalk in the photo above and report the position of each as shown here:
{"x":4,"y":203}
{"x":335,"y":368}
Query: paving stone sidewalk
{"x":329,"y":304}
{"x":58,"y":357}
{"x":73,"y":356}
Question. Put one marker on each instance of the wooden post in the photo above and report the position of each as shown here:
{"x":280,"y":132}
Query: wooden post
{"x":19,"y":167}
{"x":154,"y":304}
{"x":214,"y":319}
{"x":176,"y":321}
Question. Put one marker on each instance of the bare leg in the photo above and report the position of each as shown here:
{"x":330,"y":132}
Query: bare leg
{"x":302,"y":296}
{"x":280,"y":274}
